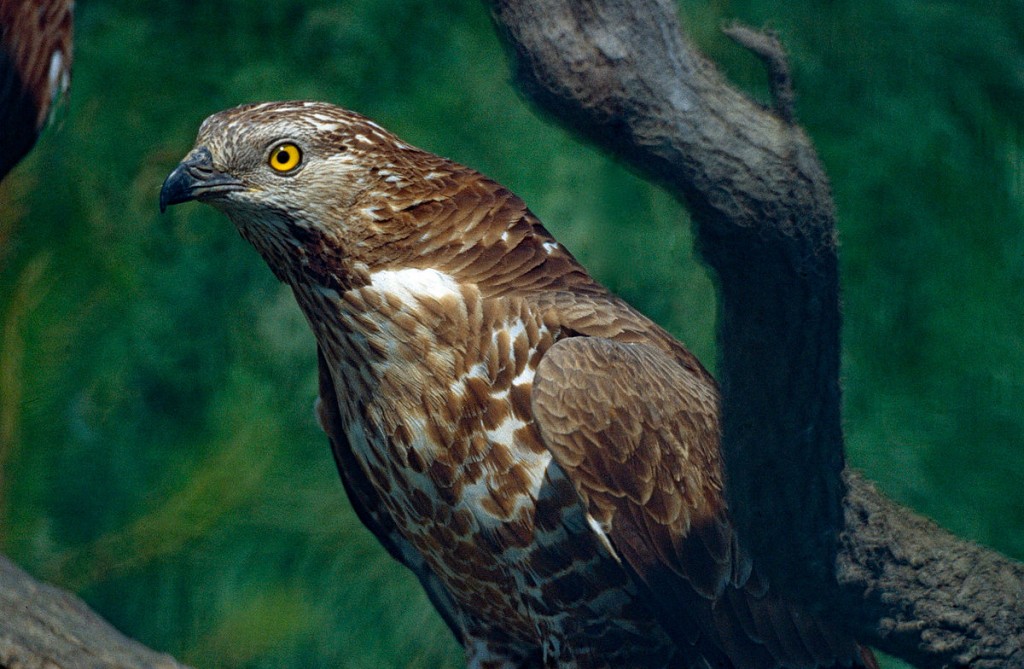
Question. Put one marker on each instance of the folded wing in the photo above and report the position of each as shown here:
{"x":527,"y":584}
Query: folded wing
{"x":637,"y":434}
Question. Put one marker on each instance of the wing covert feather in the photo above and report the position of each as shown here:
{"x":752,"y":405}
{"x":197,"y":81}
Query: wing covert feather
{"x":638,"y":437}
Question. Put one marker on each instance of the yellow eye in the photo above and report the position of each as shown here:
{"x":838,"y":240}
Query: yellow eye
{"x":285,"y":157}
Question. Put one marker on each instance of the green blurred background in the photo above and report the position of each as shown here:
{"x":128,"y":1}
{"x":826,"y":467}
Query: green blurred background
{"x":158,"y":451}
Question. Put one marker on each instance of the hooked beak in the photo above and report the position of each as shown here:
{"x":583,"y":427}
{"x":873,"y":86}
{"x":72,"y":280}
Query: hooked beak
{"x":196,"y":179}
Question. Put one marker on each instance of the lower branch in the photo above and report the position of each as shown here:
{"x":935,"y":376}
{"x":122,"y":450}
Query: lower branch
{"x":43,"y":627}
{"x":916,"y":591}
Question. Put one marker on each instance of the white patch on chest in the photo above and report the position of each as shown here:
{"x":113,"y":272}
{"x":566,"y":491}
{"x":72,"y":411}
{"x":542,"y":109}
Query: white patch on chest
{"x":476,"y":495}
{"x":504,"y":433}
{"x":409,"y":284}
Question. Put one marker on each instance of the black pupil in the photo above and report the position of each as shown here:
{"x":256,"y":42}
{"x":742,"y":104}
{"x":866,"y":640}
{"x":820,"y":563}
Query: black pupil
{"x":282,"y":156}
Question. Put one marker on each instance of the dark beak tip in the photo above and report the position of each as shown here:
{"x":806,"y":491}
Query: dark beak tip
{"x":195,"y":176}
{"x":177,"y":187}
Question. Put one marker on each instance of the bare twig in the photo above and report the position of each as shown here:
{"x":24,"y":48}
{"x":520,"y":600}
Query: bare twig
{"x":765,"y":45}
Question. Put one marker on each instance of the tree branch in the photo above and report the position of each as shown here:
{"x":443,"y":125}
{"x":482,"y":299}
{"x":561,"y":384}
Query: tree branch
{"x":43,"y":627}
{"x":916,"y":591}
{"x":622,"y":74}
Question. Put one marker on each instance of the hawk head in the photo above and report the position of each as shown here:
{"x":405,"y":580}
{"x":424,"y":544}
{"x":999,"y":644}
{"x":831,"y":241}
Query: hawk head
{"x":260,"y":158}
{"x":287,"y":173}
{"x":325,"y":194}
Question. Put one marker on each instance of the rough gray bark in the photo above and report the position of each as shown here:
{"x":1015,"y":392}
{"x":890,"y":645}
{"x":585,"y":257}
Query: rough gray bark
{"x":43,"y":627}
{"x":916,"y":591}
{"x":622,"y":74}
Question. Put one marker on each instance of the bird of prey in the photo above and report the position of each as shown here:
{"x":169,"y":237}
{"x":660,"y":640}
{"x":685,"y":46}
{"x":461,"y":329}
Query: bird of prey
{"x":543,"y":457}
{"x":35,"y":70}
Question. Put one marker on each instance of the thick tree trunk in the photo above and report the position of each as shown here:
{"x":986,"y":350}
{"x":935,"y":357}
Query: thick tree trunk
{"x":43,"y":627}
{"x":623,"y":74}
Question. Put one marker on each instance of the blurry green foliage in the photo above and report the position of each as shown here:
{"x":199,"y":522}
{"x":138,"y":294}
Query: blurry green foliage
{"x":158,"y":451}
